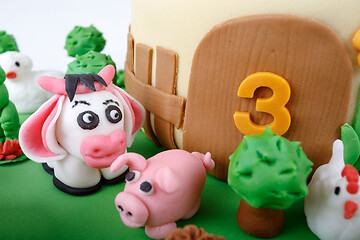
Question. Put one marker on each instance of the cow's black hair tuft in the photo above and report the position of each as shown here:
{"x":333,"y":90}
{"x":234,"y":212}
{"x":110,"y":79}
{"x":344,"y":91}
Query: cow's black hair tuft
{"x":72,"y":80}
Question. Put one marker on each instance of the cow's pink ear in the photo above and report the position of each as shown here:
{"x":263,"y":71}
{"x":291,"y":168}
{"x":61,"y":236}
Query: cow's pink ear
{"x":52,"y":85}
{"x":35,"y":137}
{"x":136,"y":113}
{"x":167,"y":180}
{"x":107,"y":73}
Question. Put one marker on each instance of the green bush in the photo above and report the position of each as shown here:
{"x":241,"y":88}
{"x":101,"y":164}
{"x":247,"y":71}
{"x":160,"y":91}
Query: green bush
{"x":84,"y":39}
{"x":269,"y":171}
{"x":91,"y":62}
{"x":7,"y":42}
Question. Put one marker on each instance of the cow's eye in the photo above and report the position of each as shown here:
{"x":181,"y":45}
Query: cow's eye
{"x":113,"y":114}
{"x":88,"y":120}
{"x":146,"y":188}
{"x":337,"y":191}
{"x":132,"y":176}
{"x":17,"y":64}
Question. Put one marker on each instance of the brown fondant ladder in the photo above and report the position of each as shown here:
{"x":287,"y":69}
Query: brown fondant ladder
{"x":161,"y":100}
{"x":166,"y":73}
{"x":130,"y":52}
{"x":143,"y":73}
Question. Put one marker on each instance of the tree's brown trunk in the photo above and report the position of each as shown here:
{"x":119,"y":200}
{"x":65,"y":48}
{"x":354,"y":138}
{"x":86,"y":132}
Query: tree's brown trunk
{"x":260,"y":222}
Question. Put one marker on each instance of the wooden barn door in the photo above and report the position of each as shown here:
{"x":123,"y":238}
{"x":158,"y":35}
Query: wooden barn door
{"x":307,"y":53}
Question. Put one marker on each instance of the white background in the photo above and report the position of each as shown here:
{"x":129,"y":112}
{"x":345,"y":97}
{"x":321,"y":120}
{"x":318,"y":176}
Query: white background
{"x":40,"y":27}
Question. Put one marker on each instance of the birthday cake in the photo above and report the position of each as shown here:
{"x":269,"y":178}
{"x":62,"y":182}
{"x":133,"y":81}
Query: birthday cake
{"x":203,"y":68}
{"x":190,"y":63}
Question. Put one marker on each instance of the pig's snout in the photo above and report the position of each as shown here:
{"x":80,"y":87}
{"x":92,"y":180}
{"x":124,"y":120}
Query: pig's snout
{"x":99,"y":151}
{"x":133,"y":211}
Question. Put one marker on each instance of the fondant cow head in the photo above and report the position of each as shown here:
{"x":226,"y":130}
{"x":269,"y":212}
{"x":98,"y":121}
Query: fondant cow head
{"x":89,"y":118}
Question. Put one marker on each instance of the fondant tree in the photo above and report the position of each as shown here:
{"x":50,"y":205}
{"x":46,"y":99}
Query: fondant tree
{"x":91,"y":62}
{"x":84,"y":39}
{"x":9,"y":124}
{"x":269,"y":173}
{"x":86,"y":43}
{"x":120,"y":79}
{"x":7,"y":42}
{"x":9,"y":119}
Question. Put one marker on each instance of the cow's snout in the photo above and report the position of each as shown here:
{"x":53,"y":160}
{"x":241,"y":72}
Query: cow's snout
{"x":102,"y":145}
{"x":132,"y":210}
{"x":99,"y":151}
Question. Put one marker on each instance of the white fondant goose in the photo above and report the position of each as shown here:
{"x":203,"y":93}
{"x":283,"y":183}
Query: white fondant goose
{"x":21,"y":81}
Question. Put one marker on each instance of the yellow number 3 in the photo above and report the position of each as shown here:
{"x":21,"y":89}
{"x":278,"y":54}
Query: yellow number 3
{"x":274,"y":105}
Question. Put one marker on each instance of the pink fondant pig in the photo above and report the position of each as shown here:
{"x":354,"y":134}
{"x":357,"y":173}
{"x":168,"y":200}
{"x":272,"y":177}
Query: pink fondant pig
{"x":162,"y":189}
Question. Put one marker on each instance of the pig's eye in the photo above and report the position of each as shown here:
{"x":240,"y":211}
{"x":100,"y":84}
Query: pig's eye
{"x":88,"y":120}
{"x":146,"y":188}
{"x":337,"y":191}
{"x":113,"y":114}
{"x":132,"y":176}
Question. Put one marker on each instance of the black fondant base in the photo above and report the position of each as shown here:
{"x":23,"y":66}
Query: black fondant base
{"x":83,"y":191}
{"x":48,"y":169}
{"x":75,"y":191}
{"x":116,"y":180}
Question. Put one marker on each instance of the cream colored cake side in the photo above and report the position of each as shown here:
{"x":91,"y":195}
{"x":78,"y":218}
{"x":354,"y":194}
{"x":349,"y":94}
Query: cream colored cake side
{"x":179,"y":25}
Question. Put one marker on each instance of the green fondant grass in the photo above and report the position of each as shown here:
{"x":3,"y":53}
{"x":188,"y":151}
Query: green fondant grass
{"x":32,"y":208}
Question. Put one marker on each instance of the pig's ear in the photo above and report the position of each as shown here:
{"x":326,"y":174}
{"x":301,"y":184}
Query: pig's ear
{"x":167,"y":180}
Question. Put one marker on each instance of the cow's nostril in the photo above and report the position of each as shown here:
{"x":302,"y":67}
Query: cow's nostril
{"x":120,"y":207}
{"x":129,"y":214}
